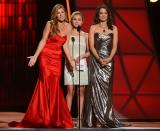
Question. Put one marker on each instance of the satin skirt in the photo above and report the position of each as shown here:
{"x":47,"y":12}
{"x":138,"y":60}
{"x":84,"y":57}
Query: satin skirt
{"x":48,"y":108}
{"x":98,"y":101}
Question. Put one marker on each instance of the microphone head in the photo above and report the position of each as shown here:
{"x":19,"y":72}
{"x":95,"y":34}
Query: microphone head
{"x":73,"y":39}
{"x":79,"y":28}
{"x":72,"y":74}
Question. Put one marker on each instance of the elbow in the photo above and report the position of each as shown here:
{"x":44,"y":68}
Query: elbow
{"x":43,"y":42}
{"x":91,"y":49}
{"x":114,"y":49}
{"x":64,"y":47}
{"x":88,"y":54}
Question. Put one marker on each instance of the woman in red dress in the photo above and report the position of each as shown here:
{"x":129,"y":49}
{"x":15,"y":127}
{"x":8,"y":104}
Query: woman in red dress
{"x":48,"y":108}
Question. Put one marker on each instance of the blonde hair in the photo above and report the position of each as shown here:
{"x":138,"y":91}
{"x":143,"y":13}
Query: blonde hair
{"x":76,"y":13}
{"x":54,"y":22}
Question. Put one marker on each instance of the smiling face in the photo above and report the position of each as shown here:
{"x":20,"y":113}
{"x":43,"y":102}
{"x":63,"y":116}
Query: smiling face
{"x":103,"y":15}
{"x":60,"y":15}
{"x":76,"y":20}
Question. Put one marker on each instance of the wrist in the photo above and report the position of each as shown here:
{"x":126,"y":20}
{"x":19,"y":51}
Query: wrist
{"x":35,"y":56}
{"x":72,"y":59}
{"x":82,"y":56}
{"x":110,"y":58}
{"x":99,"y":59}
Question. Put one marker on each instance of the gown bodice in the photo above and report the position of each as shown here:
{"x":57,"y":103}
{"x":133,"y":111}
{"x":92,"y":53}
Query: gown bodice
{"x":103,"y":44}
{"x":53,"y":46}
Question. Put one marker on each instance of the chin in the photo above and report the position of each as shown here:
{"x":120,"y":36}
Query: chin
{"x":61,"y":20}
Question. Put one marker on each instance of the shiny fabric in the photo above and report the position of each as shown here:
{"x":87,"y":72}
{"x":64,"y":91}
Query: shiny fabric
{"x":48,"y":108}
{"x":98,"y":104}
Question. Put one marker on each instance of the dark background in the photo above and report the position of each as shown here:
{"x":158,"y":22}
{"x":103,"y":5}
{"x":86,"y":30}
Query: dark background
{"x":154,"y":19}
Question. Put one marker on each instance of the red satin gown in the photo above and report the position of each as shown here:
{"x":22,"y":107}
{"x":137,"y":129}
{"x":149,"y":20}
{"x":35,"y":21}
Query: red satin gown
{"x":48,"y":108}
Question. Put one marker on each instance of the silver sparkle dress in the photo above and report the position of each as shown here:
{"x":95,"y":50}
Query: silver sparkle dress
{"x":98,"y":102}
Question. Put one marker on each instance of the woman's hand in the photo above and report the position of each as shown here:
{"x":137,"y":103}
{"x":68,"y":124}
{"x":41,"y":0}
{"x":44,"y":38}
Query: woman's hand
{"x":78,"y":60}
{"x":32,"y":60}
{"x":73,"y":64}
{"x":106,"y":60}
{"x":100,"y":61}
{"x":70,"y":65}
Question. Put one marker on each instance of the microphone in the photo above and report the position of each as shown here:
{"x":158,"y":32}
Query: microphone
{"x":73,"y":39}
{"x":79,"y":28}
{"x":72,"y":74}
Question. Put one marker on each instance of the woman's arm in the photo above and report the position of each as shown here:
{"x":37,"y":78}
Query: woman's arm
{"x":41,"y":44}
{"x":87,"y":53}
{"x":91,"y":43}
{"x":114,"y":48}
{"x":66,"y":49}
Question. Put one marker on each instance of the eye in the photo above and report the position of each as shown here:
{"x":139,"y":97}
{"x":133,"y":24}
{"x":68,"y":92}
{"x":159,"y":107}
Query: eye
{"x":58,"y":13}
{"x":62,"y":11}
{"x":79,"y":19}
{"x":100,"y":13}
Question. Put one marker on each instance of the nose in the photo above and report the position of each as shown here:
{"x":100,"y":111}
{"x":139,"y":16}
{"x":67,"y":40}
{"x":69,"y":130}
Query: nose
{"x":61,"y":14}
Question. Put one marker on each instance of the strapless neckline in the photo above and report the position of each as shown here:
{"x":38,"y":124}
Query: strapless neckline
{"x":62,"y":36}
{"x":103,"y":34}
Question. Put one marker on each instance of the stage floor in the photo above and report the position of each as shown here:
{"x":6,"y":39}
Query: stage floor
{"x":6,"y":117}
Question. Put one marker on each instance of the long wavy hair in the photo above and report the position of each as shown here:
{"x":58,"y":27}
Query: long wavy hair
{"x":53,"y":19}
{"x":109,"y":19}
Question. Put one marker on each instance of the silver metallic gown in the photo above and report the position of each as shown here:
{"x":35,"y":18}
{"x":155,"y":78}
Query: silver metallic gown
{"x":98,"y":103}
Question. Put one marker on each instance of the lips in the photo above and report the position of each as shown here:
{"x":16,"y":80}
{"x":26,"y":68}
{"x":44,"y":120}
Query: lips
{"x":61,"y":18}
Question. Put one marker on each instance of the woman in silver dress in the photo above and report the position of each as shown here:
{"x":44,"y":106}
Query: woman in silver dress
{"x":103,"y":39}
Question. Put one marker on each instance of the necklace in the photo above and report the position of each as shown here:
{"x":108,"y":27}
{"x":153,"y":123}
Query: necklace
{"x":103,"y":28}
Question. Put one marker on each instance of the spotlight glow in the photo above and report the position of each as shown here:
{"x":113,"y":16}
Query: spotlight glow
{"x":153,"y":1}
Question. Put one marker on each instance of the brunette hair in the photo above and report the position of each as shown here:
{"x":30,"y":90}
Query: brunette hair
{"x":109,"y":20}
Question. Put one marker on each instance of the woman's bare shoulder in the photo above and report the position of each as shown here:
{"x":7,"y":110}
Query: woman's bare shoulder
{"x":86,"y":34}
{"x":50,"y":22}
{"x":93,"y":27}
{"x":114,"y":27}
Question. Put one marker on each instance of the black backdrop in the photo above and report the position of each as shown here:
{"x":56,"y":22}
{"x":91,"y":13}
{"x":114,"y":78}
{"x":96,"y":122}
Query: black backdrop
{"x":154,"y":18}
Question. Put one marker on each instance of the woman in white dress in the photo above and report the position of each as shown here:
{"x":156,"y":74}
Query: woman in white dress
{"x":71,"y":77}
